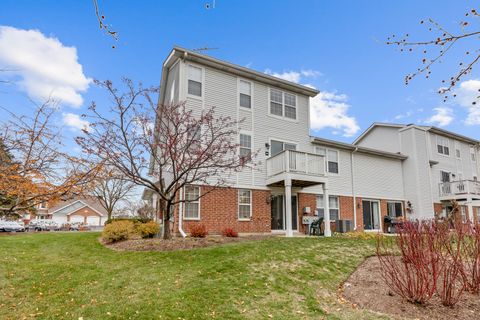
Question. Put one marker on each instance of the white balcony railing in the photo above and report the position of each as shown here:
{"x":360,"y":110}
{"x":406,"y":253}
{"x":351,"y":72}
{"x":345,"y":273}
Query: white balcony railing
{"x":462,"y":187}
{"x":296,"y":162}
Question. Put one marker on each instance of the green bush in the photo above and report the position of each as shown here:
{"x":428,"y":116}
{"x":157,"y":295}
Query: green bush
{"x":148,"y":229}
{"x":118,"y":231}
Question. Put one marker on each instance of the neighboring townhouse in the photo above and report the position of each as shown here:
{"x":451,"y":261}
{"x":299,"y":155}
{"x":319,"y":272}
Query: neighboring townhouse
{"x":296,"y":173}
{"x":86,"y":210}
{"x":441,"y":166}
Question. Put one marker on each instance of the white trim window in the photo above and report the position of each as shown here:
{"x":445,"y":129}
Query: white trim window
{"x":458,"y":153}
{"x":277,"y":146}
{"x":331,"y":158}
{"x":472,"y":154}
{"x":283,"y":104}
{"x":394,"y":209}
{"x":244,"y":204}
{"x":192,"y":203}
{"x":443,"y":146}
{"x":290,"y":106}
{"x":194,"y":81}
{"x":463,"y":211}
{"x":276,"y":102}
{"x":245,"y":94}
{"x":334,"y":205}
{"x":245,"y":146}
{"x":42,"y":205}
{"x":194,"y":138}
{"x":444,"y":176}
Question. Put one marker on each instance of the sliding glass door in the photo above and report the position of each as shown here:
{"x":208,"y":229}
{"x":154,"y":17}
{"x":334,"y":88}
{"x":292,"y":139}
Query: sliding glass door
{"x":371,"y":215}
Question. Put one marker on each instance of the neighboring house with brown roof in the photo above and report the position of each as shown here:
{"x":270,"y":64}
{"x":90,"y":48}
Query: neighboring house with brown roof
{"x":87,"y":210}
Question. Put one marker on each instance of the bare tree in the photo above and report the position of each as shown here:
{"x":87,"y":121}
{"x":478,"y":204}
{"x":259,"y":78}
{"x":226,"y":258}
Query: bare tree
{"x":435,"y":49}
{"x":102,"y":25}
{"x":163,"y":148}
{"x":111,"y":188}
{"x":36,"y":169}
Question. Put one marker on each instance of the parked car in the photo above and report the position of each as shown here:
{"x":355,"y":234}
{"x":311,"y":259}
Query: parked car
{"x":11,"y":226}
{"x":43,"y":225}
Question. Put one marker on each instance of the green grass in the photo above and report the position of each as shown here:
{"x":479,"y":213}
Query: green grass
{"x":72,"y":276}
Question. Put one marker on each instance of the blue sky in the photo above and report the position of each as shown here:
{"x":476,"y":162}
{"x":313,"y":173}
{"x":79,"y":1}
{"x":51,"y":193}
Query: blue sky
{"x":336,"y":46}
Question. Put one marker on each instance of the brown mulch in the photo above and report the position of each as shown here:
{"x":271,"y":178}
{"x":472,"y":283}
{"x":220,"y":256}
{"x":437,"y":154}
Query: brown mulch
{"x":366,"y":289}
{"x":178,"y":243}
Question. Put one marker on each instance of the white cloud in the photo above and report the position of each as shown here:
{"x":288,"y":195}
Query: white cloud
{"x":45,"y":66}
{"x":294,"y":76}
{"x":467,"y":97}
{"x":443,"y":116}
{"x":75,"y":122}
{"x":329,"y":110}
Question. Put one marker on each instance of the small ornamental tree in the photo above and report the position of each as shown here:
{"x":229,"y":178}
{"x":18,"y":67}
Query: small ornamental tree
{"x":33,"y":167}
{"x":163,"y":147}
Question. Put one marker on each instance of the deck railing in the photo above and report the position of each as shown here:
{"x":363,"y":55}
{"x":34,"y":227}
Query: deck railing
{"x":462,"y":187}
{"x":296,"y":162}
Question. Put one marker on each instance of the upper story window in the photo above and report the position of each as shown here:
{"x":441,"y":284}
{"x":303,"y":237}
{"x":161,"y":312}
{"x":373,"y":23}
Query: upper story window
{"x":283,"y":104}
{"x":194,"y":136}
{"x":278,"y":146}
{"x":245,"y":94}
{"x":194,"y":81}
{"x":472,"y":154}
{"x":43,"y":205}
{"x":245,"y":146}
{"x":443,"y":146}
{"x":331,"y":157}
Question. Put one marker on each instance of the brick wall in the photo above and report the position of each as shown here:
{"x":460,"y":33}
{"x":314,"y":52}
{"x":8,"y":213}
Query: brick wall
{"x":219,"y":210}
{"x":306,"y":200}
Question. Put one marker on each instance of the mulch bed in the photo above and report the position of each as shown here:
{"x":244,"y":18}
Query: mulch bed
{"x":365,"y":288}
{"x":178,"y":243}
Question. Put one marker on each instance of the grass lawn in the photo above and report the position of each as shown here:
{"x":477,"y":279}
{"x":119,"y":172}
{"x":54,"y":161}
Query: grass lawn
{"x":72,"y":276}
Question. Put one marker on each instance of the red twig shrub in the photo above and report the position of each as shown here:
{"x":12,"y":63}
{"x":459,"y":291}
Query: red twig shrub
{"x":198,"y":231}
{"x":471,"y":255}
{"x":452,"y":284}
{"x":413,"y":275}
{"x":229,"y":232}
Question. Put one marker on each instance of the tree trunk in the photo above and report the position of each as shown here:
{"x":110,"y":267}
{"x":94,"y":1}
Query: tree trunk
{"x":166,"y":222}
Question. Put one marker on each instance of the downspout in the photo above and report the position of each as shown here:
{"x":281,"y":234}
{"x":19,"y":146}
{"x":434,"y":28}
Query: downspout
{"x":180,"y":216}
{"x":353,"y":189}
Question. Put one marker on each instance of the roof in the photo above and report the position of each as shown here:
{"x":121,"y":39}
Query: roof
{"x":351,"y":147}
{"x":189,"y":55}
{"x":89,"y":201}
{"x":432,"y":129}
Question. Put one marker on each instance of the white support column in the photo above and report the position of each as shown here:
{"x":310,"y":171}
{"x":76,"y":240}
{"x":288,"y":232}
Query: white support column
{"x":470,"y":209}
{"x":288,"y":207}
{"x":326,"y":210}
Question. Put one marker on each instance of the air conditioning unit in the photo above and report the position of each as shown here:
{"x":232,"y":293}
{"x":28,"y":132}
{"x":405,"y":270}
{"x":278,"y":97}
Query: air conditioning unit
{"x":343,"y":226}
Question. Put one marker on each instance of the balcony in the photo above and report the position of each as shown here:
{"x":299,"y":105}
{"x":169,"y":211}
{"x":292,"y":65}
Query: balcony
{"x":303,"y":168}
{"x":459,"y":189}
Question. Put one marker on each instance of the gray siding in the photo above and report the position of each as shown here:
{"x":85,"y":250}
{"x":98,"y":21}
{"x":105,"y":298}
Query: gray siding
{"x":382,"y":138}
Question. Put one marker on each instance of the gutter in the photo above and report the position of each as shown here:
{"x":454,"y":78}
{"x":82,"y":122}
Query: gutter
{"x":353,"y":189}
{"x":180,"y":218}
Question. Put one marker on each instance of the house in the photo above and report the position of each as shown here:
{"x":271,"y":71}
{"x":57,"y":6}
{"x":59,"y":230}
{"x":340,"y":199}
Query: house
{"x":441,"y":166}
{"x":85,"y":209}
{"x":298,"y":176}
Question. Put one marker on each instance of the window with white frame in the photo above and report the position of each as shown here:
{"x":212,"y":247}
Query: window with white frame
{"x":194,"y":136}
{"x":458,"y":154}
{"x":245,"y":94}
{"x":278,"y":146}
{"x":244,"y":204}
{"x":463,"y":211}
{"x":290,"y":106}
{"x":43,"y":205}
{"x":276,"y":102}
{"x":192,"y":204}
{"x":331,"y":157}
{"x":472,"y":154}
{"x":283,"y":104}
{"x":194,"y":81}
{"x":333,"y":204}
{"x":245,"y":146}
{"x":443,"y":146}
{"x":394,"y":209}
